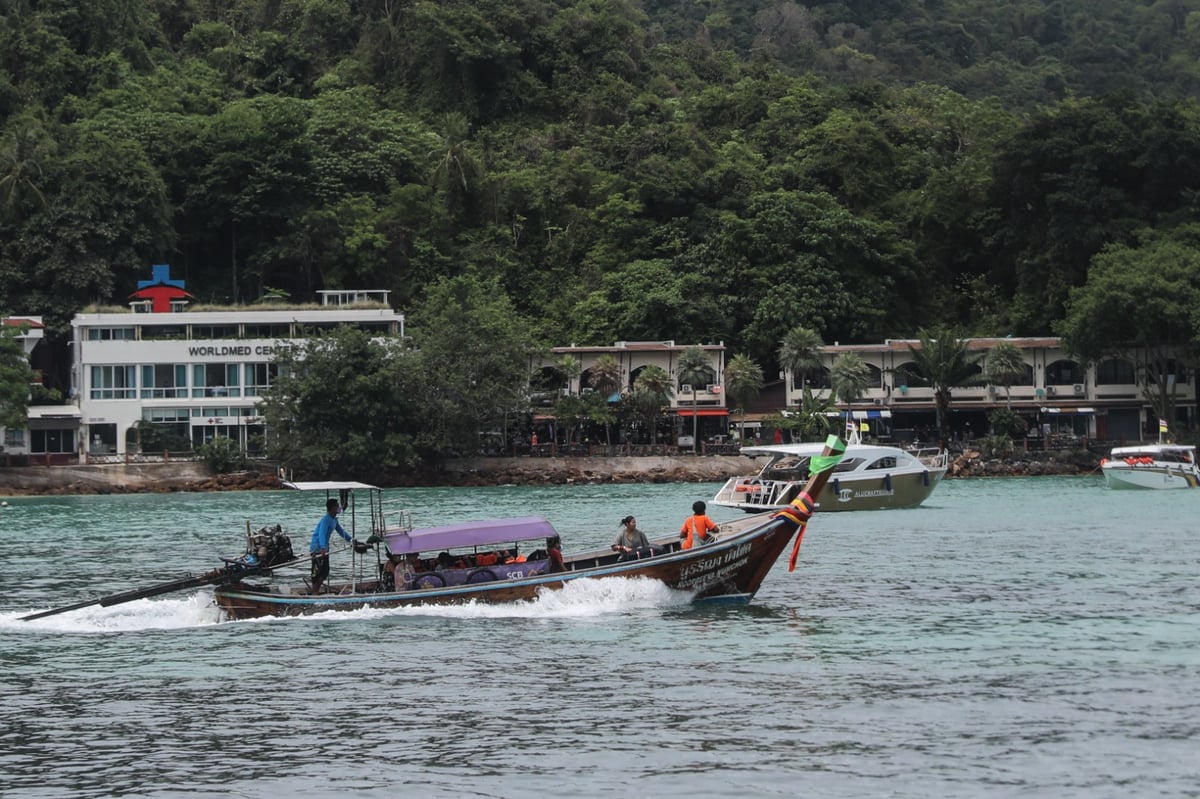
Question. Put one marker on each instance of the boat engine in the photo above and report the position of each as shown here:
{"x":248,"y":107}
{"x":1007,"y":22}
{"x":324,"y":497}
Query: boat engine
{"x":270,"y":546}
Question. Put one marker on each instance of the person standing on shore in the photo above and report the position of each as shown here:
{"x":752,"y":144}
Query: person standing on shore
{"x":318,"y":547}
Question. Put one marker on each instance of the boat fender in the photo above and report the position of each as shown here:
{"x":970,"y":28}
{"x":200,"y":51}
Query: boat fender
{"x":837,"y":486}
{"x":481,"y":576}
{"x":887,"y":482}
{"x":925,"y":478}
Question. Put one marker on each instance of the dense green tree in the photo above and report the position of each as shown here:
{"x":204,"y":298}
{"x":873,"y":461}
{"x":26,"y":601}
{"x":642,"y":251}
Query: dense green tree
{"x":346,"y":407}
{"x":1142,"y":300}
{"x":477,"y":350}
{"x":16,"y":377}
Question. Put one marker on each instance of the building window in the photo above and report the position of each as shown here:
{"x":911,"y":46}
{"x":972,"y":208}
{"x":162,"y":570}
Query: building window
{"x":267,"y":330}
{"x":51,"y":442}
{"x":164,"y":380}
{"x":163,"y":332}
{"x":114,"y":382}
{"x":1063,"y":373}
{"x":214,"y":331}
{"x":215,"y":380}
{"x":259,"y":377}
{"x":14,"y":438}
{"x":1115,"y":372}
{"x":103,"y":439}
{"x":110,"y":334}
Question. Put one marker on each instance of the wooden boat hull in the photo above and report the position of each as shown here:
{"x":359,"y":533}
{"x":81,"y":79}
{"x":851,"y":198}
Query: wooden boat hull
{"x":728,"y":570}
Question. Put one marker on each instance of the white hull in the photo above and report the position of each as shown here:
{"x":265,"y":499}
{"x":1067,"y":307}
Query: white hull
{"x":870,"y":477}
{"x":1153,"y":466}
{"x":1150,"y":477}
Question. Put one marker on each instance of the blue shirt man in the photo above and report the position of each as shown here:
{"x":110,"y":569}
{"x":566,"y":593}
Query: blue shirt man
{"x":318,"y":547}
{"x":325,"y":527}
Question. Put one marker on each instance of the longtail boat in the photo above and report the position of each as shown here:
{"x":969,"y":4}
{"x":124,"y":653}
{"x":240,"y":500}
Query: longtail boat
{"x":493,"y":561}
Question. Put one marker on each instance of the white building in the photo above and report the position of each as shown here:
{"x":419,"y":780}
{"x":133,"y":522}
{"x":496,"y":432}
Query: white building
{"x":193,"y":375}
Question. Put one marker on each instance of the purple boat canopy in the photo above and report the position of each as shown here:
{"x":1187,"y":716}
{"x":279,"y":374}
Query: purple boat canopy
{"x":468,"y":534}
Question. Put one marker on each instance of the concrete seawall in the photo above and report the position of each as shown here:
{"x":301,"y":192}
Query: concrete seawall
{"x":193,"y":476}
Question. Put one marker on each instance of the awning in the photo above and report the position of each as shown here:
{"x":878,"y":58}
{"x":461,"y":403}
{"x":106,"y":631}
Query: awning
{"x":703,"y":412}
{"x":881,"y":414}
{"x":53,"y":412}
{"x":1068,"y":410}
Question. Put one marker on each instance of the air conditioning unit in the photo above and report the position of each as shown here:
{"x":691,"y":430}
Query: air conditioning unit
{"x":1051,"y":391}
{"x":877,"y":400}
{"x":587,"y":390}
{"x":685,"y":389}
{"x":992,"y":390}
{"x":1079,"y":389}
{"x":564,"y":392}
{"x":713,"y":388}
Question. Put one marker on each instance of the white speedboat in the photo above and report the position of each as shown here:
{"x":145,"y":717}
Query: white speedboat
{"x":1152,"y":466}
{"x":869,"y":477}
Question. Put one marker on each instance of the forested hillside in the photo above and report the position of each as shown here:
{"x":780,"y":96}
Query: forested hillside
{"x":697,"y":171}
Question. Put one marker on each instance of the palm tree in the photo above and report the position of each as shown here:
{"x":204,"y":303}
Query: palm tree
{"x":943,"y":362}
{"x":799,"y":352}
{"x":743,"y":382}
{"x":22,"y":151}
{"x":1004,"y":365}
{"x":812,"y":416}
{"x":568,"y":368}
{"x":695,"y":369}
{"x":849,"y":377}
{"x":651,"y":391}
{"x":606,"y":380}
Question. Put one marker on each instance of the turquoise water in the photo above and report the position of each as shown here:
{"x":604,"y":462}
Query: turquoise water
{"x":1020,"y":637}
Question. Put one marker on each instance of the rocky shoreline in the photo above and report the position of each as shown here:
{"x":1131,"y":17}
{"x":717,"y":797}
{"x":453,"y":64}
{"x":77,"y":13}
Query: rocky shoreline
{"x":471,"y":472}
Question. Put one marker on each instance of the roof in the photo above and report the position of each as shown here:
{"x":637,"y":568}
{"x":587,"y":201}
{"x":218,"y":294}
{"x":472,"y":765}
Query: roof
{"x":469,"y":534}
{"x":327,"y":485}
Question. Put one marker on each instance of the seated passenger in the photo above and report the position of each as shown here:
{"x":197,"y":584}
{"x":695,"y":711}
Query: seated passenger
{"x":632,"y":542}
{"x":554,"y":553}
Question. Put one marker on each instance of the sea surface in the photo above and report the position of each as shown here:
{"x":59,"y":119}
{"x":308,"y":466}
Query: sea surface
{"x":1032,"y":637}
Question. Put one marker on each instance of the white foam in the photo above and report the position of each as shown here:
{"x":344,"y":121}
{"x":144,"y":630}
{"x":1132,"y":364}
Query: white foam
{"x":196,"y":610}
{"x":577,"y":599}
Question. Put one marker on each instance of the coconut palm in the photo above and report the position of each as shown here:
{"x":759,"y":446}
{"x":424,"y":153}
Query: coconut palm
{"x":943,"y":362}
{"x":812,"y":415}
{"x":1004,"y":365}
{"x":22,"y":151}
{"x":695,"y":369}
{"x":651,"y":392}
{"x":743,"y":382}
{"x":605,"y":376}
{"x":568,"y":368}
{"x":849,"y":377}
{"x":799,"y":352}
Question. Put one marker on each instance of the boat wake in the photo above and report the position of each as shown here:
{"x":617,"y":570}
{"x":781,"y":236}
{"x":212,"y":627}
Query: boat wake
{"x":196,"y":610}
{"x":578,"y":599}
